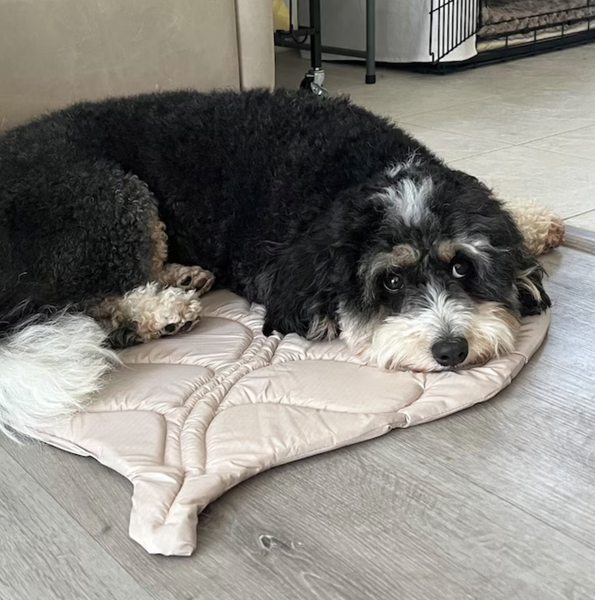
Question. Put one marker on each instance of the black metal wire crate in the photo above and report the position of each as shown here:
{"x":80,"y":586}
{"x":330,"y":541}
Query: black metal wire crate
{"x":506,"y":29}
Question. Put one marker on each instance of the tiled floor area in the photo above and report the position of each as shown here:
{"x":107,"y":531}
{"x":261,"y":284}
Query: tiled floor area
{"x":527,"y":127}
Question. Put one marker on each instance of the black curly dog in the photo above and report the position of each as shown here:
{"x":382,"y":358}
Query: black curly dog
{"x":335,"y":219}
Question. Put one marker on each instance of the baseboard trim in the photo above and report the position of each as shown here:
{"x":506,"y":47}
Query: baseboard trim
{"x":580,"y":239}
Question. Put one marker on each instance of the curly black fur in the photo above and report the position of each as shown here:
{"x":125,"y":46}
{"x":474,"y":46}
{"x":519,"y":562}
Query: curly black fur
{"x":279,"y":194}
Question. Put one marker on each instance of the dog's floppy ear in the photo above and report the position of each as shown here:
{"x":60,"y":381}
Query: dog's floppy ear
{"x":533,"y":298}
{"x":299,"y":284}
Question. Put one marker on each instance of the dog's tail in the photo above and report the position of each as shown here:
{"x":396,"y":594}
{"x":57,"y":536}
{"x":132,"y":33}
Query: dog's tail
{"x":50,"y":367}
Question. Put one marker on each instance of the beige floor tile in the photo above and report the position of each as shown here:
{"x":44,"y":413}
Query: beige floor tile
{"x":566,"y":71}
{"x":585,"y":221}
{"x":565,"y":183}
{"x":579,"y":143}
{"x":452,"y":146}
{"x":395,"y":94}
{"x":546,"y":76}
{"x":472,"y":118}
{"x":511,"y":103}
{"x":512,"y":119}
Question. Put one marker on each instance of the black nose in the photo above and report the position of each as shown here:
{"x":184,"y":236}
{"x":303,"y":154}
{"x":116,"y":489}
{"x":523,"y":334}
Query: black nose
{"x":450,"y":352}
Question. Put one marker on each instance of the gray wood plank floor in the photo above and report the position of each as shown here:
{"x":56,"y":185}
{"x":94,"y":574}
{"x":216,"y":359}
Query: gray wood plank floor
{"x":496,"y":502}
{"x":45,"y":553}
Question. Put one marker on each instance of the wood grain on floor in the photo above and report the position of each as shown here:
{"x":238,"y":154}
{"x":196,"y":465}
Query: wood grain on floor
{"x":45,"y":553}
{"x":496,"y":502}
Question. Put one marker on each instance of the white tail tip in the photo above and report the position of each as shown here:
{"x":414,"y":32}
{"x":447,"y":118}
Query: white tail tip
{"x":49,"y":370}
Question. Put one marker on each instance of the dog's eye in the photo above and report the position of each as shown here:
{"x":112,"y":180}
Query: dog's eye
{"x":460,"y":269}
{"x":393,"y":283}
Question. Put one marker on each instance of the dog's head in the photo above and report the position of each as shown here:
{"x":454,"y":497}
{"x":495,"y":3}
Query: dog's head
{"x":439,"y":275}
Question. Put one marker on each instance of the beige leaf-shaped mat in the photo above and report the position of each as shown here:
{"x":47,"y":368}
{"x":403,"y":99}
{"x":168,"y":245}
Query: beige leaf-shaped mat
{"x":193,"y":415}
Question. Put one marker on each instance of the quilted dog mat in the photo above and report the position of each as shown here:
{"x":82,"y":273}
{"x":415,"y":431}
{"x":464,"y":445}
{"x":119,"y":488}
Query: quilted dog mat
{"x":189,"y":417}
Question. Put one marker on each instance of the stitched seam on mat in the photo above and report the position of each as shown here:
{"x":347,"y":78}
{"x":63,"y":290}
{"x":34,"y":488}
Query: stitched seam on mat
{"x":214,"y":384}
{"x":255,"y":353}
{"x":328,"y":410}
{"x":251,"y":354}
{"x":330,"y":359}
{"x":509,"y":379}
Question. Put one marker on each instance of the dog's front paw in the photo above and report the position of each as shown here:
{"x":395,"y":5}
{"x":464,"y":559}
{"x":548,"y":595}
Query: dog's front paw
{"x":187,"y":278}
{"x":186,"y":314}
{"x":542,"y":229}
{"x":195,"y":278}
{"x":555,"y":234}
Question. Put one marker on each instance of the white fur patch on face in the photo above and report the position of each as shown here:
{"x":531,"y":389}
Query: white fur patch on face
{"x":408,"y":200}
{"x":405,"y":341}
{"x":355,"y":332}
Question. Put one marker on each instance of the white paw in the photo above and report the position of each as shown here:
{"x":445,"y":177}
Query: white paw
{"x":184,"y":315}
